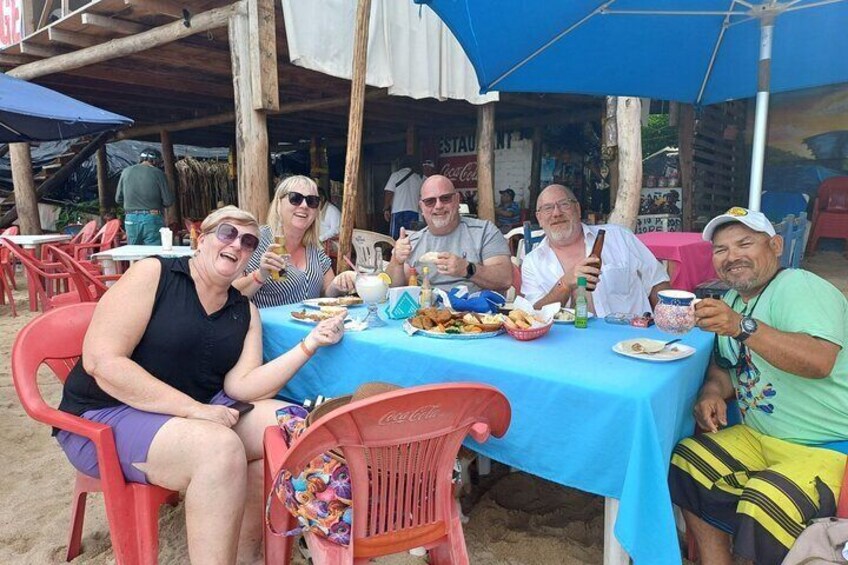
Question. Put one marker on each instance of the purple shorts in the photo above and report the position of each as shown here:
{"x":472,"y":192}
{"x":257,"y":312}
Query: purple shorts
{"x":134,"y":431}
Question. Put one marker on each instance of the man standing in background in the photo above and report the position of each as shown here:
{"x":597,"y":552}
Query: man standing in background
{"x":144,"y":193}
{"x":400,"y":205}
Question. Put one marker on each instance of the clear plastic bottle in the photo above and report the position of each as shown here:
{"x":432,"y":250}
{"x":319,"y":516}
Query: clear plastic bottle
{"x":425,"y":299}
{"x":581,"y":305}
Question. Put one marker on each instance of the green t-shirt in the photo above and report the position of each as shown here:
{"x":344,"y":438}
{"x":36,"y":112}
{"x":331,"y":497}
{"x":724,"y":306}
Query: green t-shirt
{"x":780,"y":404}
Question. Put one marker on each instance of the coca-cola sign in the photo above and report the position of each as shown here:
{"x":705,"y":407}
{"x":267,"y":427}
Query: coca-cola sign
{"x":420,"y":414}
{"x":461,"y":170}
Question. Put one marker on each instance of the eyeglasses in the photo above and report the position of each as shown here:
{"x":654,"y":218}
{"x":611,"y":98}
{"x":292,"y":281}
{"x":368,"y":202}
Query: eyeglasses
{"x":563,"y":205}
{"x":444,"y":199}
{"x":296,"y":198}
{"x":228,"y":233}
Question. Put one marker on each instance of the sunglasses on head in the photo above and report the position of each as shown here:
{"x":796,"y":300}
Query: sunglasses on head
{"x":295,"y":199}
{"x":228,"y":233}
{"x":444,"y":199}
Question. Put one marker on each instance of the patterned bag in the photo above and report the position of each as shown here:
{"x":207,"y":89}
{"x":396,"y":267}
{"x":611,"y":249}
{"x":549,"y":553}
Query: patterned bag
{"x":320,"y":496}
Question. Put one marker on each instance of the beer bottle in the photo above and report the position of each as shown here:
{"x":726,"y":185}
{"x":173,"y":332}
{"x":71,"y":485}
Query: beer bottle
{"x":598,"y":248}
{"x":280,"y":239}
{"x":193,"y":238}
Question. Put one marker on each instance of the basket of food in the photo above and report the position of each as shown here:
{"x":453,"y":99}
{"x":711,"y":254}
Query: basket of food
{"x":525,"y":324}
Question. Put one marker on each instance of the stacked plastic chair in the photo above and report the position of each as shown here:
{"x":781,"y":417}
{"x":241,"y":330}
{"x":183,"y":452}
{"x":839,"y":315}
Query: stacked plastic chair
{"x":830,"y":212}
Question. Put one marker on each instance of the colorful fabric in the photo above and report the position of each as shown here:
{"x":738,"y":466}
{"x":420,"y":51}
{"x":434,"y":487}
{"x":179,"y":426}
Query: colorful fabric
{"x":760,"y":489}
{"x":780,"y":404}
{"x":320,"y":496}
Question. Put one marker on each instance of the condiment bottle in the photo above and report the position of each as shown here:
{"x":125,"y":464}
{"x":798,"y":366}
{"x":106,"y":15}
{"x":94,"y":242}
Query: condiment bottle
{"x":193,"y":238}
{"x":280,"y":239}
{"x":598,"y":248}
{"x":581,"y":305}
{"x":413,"y":277}
{"x":425,"y":299}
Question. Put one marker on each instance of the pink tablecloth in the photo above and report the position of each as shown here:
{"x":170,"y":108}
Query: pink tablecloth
{"x":692,"y":256}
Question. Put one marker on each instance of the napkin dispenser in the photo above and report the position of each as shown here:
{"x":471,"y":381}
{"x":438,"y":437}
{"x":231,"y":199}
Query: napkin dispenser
{"x":403,"y":302}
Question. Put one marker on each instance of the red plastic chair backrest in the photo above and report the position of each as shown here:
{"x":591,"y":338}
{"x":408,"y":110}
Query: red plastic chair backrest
{"x":832,"y":195}
{"x":107,"y":234}
{"x":400,"y":448}
{"x":89,"y":287}
{"x":86,"y":233}
{"x":12,"y":230}
{"x":36,"y":268}
{"x":4,"y":253}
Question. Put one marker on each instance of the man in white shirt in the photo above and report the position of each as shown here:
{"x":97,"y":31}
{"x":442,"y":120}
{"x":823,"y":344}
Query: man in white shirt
{"x":629,"y":277}
{"x":402,"y":191}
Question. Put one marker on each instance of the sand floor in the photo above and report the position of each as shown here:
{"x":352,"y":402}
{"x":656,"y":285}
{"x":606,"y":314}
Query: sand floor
{"x":515,"y":519}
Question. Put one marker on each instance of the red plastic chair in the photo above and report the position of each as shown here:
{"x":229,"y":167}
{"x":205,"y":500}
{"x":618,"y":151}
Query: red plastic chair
{"x":91,"y":287}
{"x":42,"y":279}
{"x":85,"y":235}
{"x":131,"y":508}
{"x":7,"y":262}
{"x":103,"y":240}
{"x":400,"y":447}
{"x":830,"y":212}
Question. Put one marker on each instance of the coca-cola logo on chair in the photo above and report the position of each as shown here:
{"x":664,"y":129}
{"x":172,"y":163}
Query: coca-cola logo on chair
{"x":420,"y":414}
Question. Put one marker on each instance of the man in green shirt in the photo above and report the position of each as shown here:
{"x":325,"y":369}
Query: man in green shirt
{"x":780,"y":351}
{"x":143,"y":191}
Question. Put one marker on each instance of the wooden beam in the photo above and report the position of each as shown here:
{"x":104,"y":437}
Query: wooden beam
{"x":26,"y":201}
{"x":354,"y":129}
{"x":71,"y":38}
{"x":251,"y":125}
{"x":124,"y":46}
{"x":57,"y":179}
{"x":536,"y":167}
{"x":411,"y":139}
{"x":629,"y":194}
{"x":36,"y":50}
{"x":27,"y":17}
{"x":686,"y":139}
{"x":13,"y":60}
{"x":45,"y":14}
{"x":66,"y":7}
{"x":164,"y":7}
{"x":104,"y":195}
{"x":113,"y":24}
{"x":263,"y":47}
{"x":486,"y":161}
{"x":173,"y":213}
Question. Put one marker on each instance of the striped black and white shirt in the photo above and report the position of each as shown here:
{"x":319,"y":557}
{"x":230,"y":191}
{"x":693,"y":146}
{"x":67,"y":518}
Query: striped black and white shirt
{"x":298,"y":284}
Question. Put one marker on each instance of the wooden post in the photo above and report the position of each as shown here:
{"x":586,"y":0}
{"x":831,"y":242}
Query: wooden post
{"x":536,"y":169}
{"x":251,"y":125}
{"x":104,"y":195}
{"x":28,"y":18}
{"x":629,"y":121}
{"x":173,"y":214}
{"x":686,"y":142}
{"x":354,"y":128}
{"x":411,"y":140}
{"x":26,"y":200}
{"x":265,"y":89}
{"x":486,"y":161}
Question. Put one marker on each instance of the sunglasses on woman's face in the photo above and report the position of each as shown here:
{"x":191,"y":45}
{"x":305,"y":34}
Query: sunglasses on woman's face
{"x":444,"y":199}
{"x":228,"y":233}
{"x":296,"y":198}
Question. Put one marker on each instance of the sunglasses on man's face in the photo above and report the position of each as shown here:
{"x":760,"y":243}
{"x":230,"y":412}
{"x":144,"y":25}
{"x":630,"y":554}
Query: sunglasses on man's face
{"x":444,"y":199}
{"x":228,"y":233}
{"x":296,"y":198}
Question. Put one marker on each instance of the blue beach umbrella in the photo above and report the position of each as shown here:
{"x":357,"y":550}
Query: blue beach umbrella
{"x":29,"y":112}
{"x":694,"y":51}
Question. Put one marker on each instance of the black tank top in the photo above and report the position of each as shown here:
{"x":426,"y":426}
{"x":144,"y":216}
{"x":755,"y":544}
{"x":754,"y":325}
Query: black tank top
{"x":181,"y":346}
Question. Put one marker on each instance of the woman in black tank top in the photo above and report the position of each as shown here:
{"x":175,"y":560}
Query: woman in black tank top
{"x":171,"y":347}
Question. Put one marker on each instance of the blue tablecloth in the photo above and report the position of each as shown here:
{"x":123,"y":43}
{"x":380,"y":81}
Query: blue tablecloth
{"x":582,"y":415}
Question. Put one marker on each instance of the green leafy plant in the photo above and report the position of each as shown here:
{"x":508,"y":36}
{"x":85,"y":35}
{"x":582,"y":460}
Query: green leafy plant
{"x":72,"y":212}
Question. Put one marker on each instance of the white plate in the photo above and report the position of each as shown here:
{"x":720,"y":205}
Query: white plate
{"x":349,"y":323}
{"x":673,"y":352}
{"x":412,"y":330}
{"x":591,"y":315}
{"x":316,"y":303}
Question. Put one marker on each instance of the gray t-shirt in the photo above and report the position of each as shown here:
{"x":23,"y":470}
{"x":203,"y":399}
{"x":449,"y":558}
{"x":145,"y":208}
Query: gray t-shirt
{"x":143,"y":187}
{"x":474,"y":240}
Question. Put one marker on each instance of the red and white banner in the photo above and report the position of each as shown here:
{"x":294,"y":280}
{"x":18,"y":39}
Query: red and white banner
{"x":460,"y":169}
{"x":11,"y":20}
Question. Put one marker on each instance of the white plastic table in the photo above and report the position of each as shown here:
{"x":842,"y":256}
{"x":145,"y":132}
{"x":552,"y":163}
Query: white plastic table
{"x":132,"y":253}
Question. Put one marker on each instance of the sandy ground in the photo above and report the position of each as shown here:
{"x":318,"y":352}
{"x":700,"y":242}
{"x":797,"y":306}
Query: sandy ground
{"x":515,"y":519}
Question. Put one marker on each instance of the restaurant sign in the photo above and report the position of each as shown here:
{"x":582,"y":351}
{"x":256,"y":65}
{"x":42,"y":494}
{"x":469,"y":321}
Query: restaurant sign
{"x":11,"y":22}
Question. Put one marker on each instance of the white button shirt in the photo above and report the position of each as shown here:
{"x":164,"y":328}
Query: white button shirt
{"x":628,"y":272}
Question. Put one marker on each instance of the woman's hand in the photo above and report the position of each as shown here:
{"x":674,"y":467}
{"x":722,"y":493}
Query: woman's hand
{"x":328,"y":332}
{"x":222,"y":415}
{"x":271,"y":262}
{"x":345,"y":282}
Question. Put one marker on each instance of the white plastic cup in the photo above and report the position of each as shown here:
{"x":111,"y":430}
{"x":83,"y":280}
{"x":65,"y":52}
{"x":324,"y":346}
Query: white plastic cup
{"x":167,"y":238}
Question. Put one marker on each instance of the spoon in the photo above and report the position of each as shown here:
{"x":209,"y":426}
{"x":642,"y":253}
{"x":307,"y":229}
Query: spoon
{"x":656,"y":348}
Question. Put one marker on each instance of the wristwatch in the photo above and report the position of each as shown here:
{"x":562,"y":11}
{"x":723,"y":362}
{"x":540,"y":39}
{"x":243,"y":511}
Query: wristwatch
{"x":747,"y":326}
{"x":470,"y":270}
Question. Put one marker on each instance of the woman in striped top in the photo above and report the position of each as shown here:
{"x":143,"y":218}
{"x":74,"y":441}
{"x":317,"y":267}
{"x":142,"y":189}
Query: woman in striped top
{"x":307,"y":269}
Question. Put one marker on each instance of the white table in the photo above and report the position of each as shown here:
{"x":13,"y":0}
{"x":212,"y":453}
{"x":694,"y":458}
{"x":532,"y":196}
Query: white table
{"x":31,"y":241}
{"x":132,"y":253}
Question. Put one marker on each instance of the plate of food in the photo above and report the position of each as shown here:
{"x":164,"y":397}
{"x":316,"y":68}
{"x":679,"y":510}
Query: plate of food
{"x":639,"y":349}
{"x":342,"y":301}
{"x":566,"y":316}
{"x":315,"y":316}
{"x":442,"y":323}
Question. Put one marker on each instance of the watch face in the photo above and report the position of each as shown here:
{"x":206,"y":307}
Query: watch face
{"x":749,"y":325}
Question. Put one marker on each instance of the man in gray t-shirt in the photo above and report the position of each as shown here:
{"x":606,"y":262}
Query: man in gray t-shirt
{"x":464,"y":251}
{"x":143,"y":191}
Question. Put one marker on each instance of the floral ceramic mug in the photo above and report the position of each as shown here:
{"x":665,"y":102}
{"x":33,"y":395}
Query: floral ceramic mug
{"x":675,"y":311}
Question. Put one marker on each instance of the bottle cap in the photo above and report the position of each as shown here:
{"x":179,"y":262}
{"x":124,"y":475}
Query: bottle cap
{"x":581,"y":281}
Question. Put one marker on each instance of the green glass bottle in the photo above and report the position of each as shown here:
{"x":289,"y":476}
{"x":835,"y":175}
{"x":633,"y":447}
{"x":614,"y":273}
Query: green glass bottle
{"x":581,"y":305}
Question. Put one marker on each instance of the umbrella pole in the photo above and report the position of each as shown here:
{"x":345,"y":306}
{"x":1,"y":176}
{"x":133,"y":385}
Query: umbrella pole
{"x":758,"y":150}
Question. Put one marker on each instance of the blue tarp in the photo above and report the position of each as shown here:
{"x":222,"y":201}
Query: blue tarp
{"x":29,"y":112}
